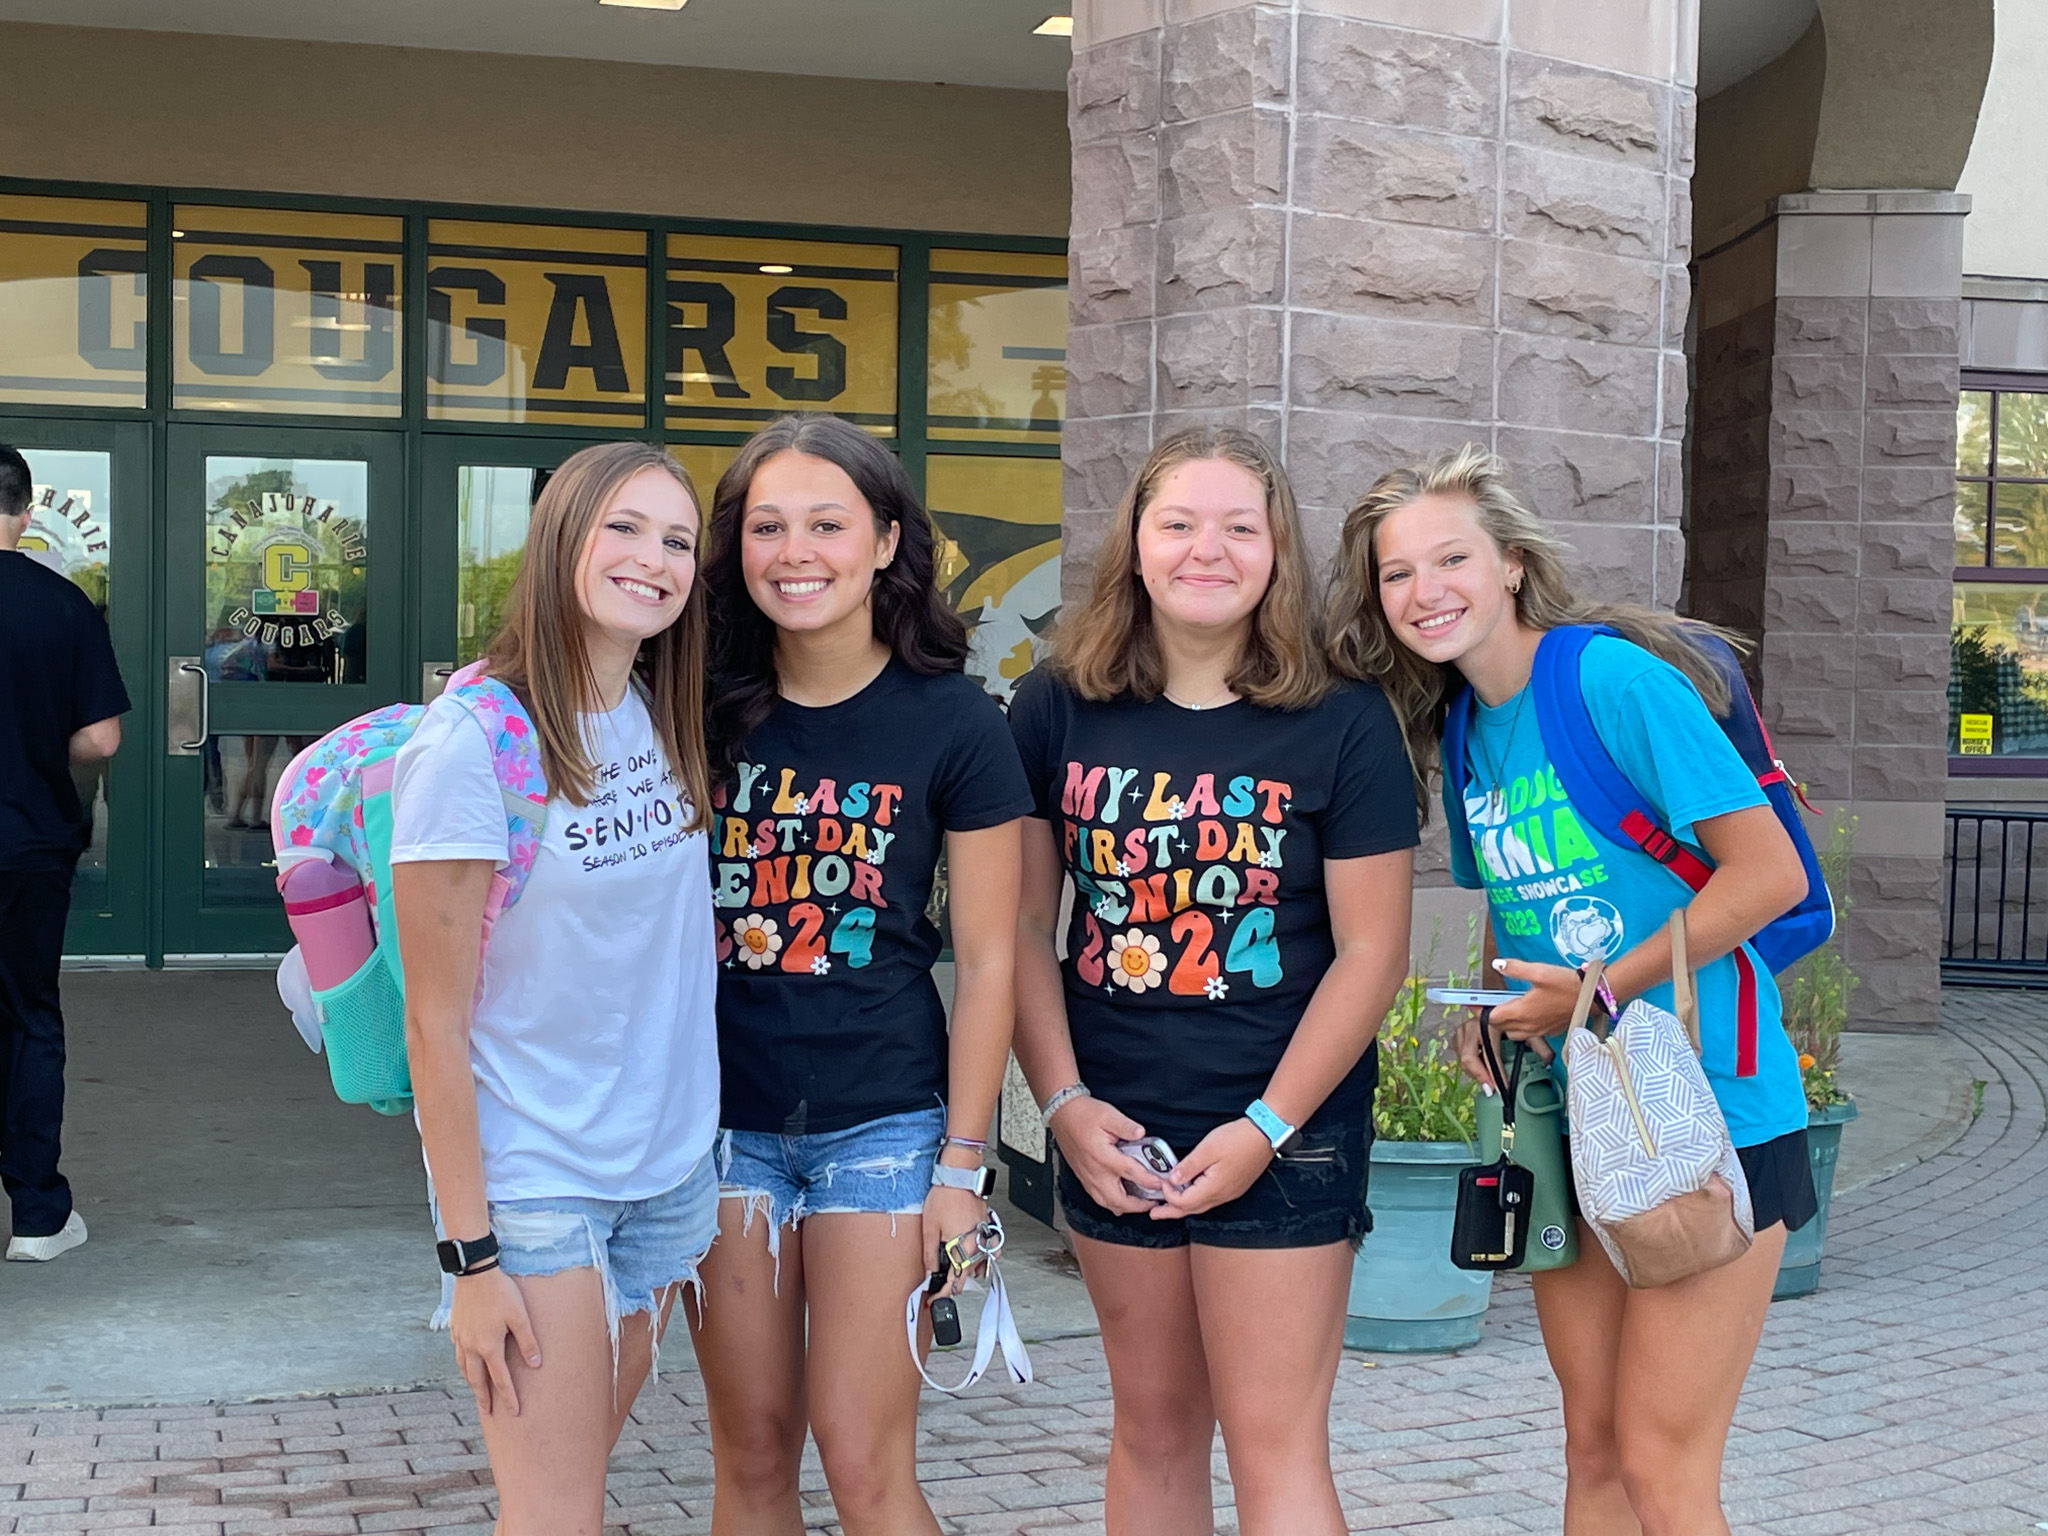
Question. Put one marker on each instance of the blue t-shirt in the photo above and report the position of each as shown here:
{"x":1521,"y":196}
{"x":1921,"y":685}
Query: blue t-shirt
{"x":1561,"y":892}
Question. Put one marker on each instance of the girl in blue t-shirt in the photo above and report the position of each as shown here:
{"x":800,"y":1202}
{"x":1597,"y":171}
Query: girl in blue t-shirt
{"x":1444,"y":577}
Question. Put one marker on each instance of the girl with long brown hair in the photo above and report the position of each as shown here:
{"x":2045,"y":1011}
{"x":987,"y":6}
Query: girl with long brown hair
{"x":1237,"y":829}
{"x":567,"y":1084}
{"x":851,"y":751}
{"x":1445,"y":589}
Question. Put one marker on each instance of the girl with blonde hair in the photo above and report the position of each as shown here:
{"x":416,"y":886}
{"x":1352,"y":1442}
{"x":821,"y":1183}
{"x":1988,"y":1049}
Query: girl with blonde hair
{"x":1446,"y":586}
{"x":1237,"y":830}
{"x":568,"y":1094}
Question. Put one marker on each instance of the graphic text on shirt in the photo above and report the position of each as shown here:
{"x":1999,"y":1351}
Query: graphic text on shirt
{"x":1534,"y":854}
{"x":635,"y":813}
{"x":804,"y":867}
{"x":1158,"y":865}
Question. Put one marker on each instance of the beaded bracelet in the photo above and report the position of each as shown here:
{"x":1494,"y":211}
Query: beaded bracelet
{"x":1061,"y":1099}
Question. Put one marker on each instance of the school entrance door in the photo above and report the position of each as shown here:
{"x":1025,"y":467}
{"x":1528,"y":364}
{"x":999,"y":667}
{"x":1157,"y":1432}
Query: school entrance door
{"x":262,"y":585}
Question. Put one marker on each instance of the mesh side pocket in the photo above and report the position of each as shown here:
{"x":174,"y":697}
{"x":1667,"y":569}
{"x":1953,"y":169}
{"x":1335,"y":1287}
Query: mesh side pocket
{"x":362,"y":1022}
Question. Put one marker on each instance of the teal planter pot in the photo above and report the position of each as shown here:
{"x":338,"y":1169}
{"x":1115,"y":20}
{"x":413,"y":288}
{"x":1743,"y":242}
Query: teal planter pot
{"x":1799,"y":1270}
{"x":1407,"y":1297}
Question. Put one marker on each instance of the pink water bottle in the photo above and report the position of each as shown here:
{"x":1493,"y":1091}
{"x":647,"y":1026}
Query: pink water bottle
{"x":330,"y":918}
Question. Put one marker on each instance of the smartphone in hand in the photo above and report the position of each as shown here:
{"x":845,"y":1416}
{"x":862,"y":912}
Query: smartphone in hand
{"x":1155,"y":1156}
{"x":1470,"y":997}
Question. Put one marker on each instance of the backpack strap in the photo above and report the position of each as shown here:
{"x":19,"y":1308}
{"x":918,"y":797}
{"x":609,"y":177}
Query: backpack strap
{"x":1599,"y":790}
{"x":516,"y":759}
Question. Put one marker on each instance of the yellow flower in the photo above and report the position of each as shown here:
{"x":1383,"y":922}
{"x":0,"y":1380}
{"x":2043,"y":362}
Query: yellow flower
{"x":1805,"y":1061}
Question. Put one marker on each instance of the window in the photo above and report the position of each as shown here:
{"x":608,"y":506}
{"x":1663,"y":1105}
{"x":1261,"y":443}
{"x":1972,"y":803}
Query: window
{"x":1998,"y":671}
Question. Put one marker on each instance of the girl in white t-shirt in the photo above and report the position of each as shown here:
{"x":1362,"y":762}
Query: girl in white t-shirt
{"x":568,"y":1097}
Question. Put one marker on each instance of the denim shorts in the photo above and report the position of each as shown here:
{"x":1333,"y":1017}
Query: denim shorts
{"x":1313,"y":1196}
{"x":882,"y":1166}
{"x":639,"y":1248}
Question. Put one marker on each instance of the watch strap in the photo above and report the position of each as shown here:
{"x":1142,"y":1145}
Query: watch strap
{"x":468,"y":1258}
{"x":982,"y":1180}
{"x":1276,"y":1131}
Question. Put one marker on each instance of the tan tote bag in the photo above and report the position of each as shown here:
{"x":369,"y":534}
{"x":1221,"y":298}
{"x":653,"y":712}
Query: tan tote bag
{"x":1658,"y":1179}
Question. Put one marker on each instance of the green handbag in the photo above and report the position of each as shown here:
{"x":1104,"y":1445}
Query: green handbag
{"x":1533,"y":1138}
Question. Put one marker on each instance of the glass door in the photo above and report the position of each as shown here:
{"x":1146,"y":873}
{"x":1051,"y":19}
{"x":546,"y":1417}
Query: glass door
{"x":89,"y":520}
{"x":479,"y":495}
{"x":283,"y":571}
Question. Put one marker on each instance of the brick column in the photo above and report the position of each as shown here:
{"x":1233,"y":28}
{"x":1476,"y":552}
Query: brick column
{"x":1368,"y":229}
{"x":1824,"y":493}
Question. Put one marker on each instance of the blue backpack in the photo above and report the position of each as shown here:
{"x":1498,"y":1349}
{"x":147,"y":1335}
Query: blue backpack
{"x":1601,"y":794}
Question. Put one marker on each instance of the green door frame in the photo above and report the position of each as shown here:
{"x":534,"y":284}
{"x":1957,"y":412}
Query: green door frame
{"x":118,"y":925}
{"x":192,"y":927}
{"x":442,"y":458}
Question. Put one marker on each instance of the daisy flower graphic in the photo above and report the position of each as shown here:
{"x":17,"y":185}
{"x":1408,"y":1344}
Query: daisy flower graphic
{"x":1215,"y":989}
{"x":1265,"y":861}
{"x":1123,"y":868}
{"x":1135,"y":960}
{"x":1180,"y":810}
{"x":758,"y":941}
{"x":820,"y":965}
{"x":803,"y":807}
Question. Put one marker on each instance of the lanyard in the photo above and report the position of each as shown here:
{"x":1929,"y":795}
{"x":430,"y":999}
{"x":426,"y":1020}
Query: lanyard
{"x":997,"y":1326}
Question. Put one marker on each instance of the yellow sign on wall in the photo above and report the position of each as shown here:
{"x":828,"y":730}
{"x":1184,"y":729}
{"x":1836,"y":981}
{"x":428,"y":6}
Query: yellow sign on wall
{"x":285,"y":311}
{"x":533,"y":323}
{"x":758,"y":328}
{"x":1974,"y":735}
{"x":998,"y":346}
{"x":73,"y":302}
{"x":999,"y":557}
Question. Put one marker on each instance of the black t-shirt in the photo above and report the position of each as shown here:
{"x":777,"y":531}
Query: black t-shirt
{"x":823,"y":848}
{"x":1196,"y":843}
{"x":57,"y":676}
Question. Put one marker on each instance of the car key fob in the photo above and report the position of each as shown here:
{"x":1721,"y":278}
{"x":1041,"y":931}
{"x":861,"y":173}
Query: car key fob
{"x":945,"y":1314}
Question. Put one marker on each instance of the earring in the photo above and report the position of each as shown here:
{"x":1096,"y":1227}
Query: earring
{"x":1515,"y":587}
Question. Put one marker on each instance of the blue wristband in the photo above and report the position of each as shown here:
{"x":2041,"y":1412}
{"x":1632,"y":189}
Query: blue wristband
{"x":1271,"y":1126}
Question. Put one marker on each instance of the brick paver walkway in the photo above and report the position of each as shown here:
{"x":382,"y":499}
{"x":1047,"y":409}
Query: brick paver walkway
{"x":1906,"y":1398}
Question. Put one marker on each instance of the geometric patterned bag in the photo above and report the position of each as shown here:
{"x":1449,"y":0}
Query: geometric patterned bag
{"x":1658,"y":1179}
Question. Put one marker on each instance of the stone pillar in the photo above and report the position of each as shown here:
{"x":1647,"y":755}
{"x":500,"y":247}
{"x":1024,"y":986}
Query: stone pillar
{"x":1824,"y":486}
{"x":1368,"y":229}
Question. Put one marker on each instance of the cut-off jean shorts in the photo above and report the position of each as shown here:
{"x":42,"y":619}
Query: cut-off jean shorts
{"x":1313,"y":1195}
{"x":880,"y":1166}
{"x":642,"y":1250}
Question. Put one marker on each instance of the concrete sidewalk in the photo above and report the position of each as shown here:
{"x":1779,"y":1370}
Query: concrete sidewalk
{"x":252,"y":1238}
{"x":1903,"y":1399}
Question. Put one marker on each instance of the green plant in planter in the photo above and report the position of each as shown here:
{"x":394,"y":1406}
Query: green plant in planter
{"x":1817,"y":991}
{"x":1424,"y":1095}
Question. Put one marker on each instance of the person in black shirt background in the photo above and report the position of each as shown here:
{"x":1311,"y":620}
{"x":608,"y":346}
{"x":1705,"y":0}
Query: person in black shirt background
{"x":1238,"y":827}
{"x":849,"y":749}
{"x":61,"y":701}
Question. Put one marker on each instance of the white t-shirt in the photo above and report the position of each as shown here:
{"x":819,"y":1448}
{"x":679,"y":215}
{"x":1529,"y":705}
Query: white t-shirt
{"x":594,"y":1043}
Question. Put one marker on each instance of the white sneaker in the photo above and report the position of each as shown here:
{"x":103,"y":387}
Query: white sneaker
{"x":36,"y":1250}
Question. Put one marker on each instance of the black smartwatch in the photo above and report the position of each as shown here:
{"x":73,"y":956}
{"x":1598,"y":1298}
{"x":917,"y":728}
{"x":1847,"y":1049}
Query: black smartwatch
{"x":470,"y":1258}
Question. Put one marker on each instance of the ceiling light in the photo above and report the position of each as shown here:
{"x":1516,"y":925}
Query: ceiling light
{"x":648,"y":5}
{"x":777,"y":269}
{"x":1054,"y":26}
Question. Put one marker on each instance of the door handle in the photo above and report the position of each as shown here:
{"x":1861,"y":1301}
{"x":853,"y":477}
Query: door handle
{"x":187,"y":708}
{"x":434,"y":677}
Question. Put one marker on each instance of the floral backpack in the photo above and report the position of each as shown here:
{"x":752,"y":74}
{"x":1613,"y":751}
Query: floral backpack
{"x":334,"y":802}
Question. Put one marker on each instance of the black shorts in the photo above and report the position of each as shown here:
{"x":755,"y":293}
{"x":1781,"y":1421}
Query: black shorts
{"x":1780,"y":1181}
{"x":1313,"y":1196}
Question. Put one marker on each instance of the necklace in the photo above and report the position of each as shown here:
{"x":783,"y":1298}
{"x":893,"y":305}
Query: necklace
{"x":1215,"y":700}
{"x":1496,"y":802}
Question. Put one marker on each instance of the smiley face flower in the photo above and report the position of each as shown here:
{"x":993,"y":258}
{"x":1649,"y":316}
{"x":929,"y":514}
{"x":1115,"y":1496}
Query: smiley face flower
{"x":758,"y":942}
{"x":1135,"y":961}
